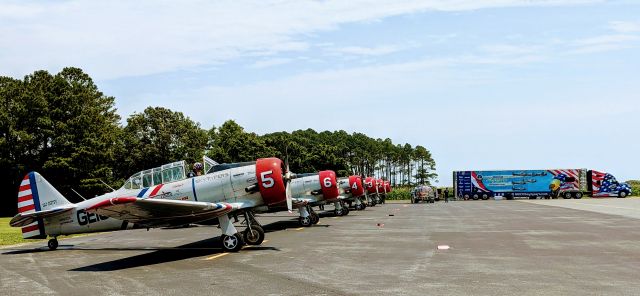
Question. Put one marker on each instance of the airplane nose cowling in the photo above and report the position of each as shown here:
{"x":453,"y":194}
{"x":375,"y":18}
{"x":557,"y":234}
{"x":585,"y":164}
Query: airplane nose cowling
{"x":269,"y":174}
{"x":329,"y":185}
{"x":371,"y":184}
{"x":387,"y":186}
{"x":355,"y":183}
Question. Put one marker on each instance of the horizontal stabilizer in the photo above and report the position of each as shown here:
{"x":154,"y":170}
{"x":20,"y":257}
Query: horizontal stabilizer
{"x":24,"y":219}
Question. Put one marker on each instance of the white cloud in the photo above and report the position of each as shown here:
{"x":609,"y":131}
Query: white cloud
{"x":604,"y":43}
{"x":367,"y":51}
{"x":625,"y":27}
{"x":271,"y":62}
{"x":128,"y":38}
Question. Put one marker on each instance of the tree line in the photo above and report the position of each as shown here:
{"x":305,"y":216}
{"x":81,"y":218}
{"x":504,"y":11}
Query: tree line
{"x":63,"y":127}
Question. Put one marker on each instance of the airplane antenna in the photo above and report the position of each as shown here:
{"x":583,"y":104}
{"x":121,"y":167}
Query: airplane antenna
{"x":80,"y":195}
{"x":105,"y":184}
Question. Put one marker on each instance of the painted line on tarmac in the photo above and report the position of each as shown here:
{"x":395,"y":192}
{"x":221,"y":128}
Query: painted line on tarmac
{"x":216,"y":256}
{"x":301,"y":228}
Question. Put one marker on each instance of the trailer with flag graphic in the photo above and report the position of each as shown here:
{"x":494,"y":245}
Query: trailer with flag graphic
{"x":550,"y":183}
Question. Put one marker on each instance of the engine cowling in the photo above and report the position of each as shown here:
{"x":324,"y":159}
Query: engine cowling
{"x":380,"y":184}
{"x":329,"y":185}
{"x":370,"y":183}
{"x":355,"y":183}
{"x":387,"y":186}
{"x":269,"y":172}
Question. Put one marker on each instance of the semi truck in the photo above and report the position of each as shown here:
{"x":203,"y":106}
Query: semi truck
{"x":532,"y":184}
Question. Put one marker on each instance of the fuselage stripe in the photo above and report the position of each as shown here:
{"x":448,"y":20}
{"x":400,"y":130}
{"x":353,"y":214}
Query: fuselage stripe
{"x":193,"y":186}
{"x":142,"y":192}
{"x":155,"y":190}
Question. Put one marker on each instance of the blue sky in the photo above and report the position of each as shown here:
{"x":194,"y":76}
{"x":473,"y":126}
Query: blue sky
{"x":483,"y":84}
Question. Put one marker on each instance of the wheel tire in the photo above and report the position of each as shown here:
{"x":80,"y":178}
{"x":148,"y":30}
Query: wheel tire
{"x":338,"y":212}
{"x":485,"y":197}
{"x":315,"y":218}
{"x":345,"y":211}
{"x":475,"y":197}
{"x":305,"y":221}
{"x":578,"y":195}
{"x":52,"y":244}
{"x":255,"y":236}
{"x":566,"y":195}
{"x":622,"y":194}
{"x":232,"y":243}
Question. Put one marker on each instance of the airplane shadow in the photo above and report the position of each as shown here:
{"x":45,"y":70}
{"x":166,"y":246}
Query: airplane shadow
{"x":165,"y":255}
{"x":286,"y":224}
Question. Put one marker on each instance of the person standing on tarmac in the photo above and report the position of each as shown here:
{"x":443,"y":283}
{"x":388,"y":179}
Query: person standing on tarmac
{"x":446,"y":195}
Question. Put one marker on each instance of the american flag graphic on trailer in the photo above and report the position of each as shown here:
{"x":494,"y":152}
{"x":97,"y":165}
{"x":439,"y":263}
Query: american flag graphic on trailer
{"x":563,"y":176}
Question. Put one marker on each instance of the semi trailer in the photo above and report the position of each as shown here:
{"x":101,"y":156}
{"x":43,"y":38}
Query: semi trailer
{"x":532,"y":184}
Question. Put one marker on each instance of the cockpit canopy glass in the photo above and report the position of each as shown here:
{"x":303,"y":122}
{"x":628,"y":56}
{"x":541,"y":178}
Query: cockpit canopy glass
{"x":161,"y":175}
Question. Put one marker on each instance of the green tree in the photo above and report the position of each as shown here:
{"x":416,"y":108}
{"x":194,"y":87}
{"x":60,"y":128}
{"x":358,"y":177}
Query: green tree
{"x":158,"y":136}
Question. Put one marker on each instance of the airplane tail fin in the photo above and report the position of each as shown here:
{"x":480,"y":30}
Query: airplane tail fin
{"x":37,"y":194}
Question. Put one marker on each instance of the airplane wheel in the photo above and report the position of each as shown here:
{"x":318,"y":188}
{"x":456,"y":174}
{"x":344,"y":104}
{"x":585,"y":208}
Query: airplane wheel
{"x":52,"y":244}
{"x":255,"y":236}
{"x":232,"y":243}
{"x":338,"y":212}
{"x":359,"y":207}
{"x":314,"y":218}
{"x":305,"y":221}
{"x":373,"y":203}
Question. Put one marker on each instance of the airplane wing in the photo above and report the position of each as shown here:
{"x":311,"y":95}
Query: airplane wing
{"x":160,"y":212}
{"x":23,"y":219}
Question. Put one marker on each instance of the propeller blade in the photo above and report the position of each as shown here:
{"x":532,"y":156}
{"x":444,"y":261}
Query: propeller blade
{"x":289,"y":198}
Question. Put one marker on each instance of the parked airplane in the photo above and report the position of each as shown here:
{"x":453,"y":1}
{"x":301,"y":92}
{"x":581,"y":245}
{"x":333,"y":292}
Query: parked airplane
{"x":161,"y":197}
{"x":351,"y":191}
{"x":315,"y":189}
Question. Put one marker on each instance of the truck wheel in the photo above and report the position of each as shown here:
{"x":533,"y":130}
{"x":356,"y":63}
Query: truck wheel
{"x":485,"y":197}
{"x":578,"y":195}
{"x":466,"y":197}
{"x":566,"y":195}
{"x":622,"y":194}
{"x":475,"y":197}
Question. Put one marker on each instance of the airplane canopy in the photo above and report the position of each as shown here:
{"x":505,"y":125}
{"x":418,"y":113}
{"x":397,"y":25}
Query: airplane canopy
{"x":167,"y":173}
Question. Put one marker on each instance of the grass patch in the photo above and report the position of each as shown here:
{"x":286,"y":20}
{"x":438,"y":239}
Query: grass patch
{"x":12,"y":235}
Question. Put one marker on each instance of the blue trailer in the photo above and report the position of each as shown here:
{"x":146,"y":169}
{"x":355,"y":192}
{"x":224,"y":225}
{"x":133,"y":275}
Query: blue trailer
{"x":551,"y":183}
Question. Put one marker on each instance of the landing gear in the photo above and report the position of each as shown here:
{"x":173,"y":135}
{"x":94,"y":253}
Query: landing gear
{"x":254,"y":234}
{"x":232,"y":243}
{"x":359,"y":207}
{"x":314,"y":218}
{"x":305,"y":221}
{"x":52,"y":244}
{"x":345,"y":210}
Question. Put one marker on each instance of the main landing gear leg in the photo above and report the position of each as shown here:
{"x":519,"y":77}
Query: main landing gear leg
{"x":254,"y":234}
{"x":305,"y":217}
{"x":53,"y":243}
{"x":339,"y":211}
{"x":231,"y":239}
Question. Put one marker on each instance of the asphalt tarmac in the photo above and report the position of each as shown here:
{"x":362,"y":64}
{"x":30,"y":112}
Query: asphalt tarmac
{"x":455,"y":248}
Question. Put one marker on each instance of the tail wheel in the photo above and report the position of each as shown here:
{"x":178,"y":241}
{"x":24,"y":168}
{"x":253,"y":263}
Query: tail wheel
{"x":255,"y":236}
{"x":232,"y":243}
{"x":52,"y":244}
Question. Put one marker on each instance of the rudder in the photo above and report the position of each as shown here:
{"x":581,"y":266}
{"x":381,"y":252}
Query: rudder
{"x":36,"y":194}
